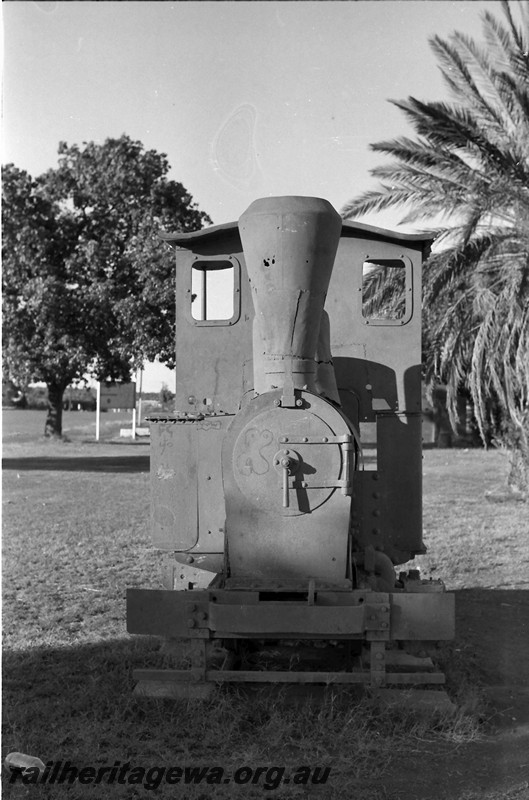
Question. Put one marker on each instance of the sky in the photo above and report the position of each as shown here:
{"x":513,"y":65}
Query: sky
{"x":246,"y":99}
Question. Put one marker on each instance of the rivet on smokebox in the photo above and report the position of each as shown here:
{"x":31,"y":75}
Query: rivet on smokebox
{"x":190,"y":560}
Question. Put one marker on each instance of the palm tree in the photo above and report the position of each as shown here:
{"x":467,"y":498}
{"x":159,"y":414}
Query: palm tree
{"x":468,"y":169}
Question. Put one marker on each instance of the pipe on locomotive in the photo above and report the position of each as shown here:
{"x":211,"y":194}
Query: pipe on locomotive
{"x":289,"y":245}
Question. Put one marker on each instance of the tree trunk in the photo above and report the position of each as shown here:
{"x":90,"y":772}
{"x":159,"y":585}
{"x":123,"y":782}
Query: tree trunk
{"x":443,"y":433}
{"x":53,"y":426}
{"x":518,"y":480}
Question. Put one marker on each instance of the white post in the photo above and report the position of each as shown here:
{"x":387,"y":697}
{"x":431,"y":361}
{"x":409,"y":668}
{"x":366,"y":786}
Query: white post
{"x":133,"y":423}
{"x":139,"y":396}
{"x":98,"y":409}
{"x":203,"y":299}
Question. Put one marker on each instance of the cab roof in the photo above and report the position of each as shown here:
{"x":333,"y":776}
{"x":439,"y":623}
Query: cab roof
{"x":229,"y":230}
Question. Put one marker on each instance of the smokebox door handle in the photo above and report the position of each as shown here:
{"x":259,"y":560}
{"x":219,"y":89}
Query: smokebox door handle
{"x":286,"y":498}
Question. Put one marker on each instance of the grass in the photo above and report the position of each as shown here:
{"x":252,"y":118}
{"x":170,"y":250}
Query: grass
{"x":472,"y":541}
{"x":76,"y":535}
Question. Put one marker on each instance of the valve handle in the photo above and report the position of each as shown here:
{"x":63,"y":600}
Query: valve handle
{"x":285,"y":463}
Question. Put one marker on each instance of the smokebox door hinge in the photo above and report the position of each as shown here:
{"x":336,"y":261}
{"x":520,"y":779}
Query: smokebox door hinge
{"x":288,"y":398}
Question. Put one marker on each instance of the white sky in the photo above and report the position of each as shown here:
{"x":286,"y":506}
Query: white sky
{"x":247,"y":99}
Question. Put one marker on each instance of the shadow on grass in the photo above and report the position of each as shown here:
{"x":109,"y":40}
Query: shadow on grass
{"x":494,"y":624}
{"x":136,"y":463}
{"x":76,"y":703}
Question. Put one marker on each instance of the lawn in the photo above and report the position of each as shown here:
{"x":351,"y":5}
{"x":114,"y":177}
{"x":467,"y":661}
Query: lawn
{"x":76,"y":535}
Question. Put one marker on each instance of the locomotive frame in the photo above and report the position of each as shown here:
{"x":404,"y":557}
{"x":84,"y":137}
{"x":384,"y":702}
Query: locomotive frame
{"x":286,"y":486}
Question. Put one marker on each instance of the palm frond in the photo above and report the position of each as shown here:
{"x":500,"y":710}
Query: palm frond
{"x":459,"y":78}
{"x":520,"y":36}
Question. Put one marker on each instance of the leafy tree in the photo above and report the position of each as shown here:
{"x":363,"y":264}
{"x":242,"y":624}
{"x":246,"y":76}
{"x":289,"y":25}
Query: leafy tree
{"x":87,"y":286}
{"x":469,"y":168}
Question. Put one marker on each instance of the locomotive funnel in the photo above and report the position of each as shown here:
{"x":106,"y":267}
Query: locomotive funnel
{"x":289,"y":245}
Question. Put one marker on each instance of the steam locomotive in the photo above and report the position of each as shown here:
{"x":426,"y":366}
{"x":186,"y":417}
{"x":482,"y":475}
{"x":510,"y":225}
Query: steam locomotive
{"x":286,"y":486}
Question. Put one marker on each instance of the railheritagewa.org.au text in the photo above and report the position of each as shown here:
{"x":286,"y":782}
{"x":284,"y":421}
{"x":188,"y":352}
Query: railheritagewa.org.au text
{"x":151,"y":777}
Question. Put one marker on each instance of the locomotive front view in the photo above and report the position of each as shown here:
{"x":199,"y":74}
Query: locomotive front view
{"x":289,"y":475}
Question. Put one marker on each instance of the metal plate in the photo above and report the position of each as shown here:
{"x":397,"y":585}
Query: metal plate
{"x":174,"y":486}
{"x":423,"y":617}
{"x":270,"y":618}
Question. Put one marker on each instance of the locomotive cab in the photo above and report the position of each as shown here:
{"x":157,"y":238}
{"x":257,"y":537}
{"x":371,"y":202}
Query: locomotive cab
{"x":286,"y":486}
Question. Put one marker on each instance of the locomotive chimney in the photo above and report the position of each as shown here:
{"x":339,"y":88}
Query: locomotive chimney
{"x":289,"y":245}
